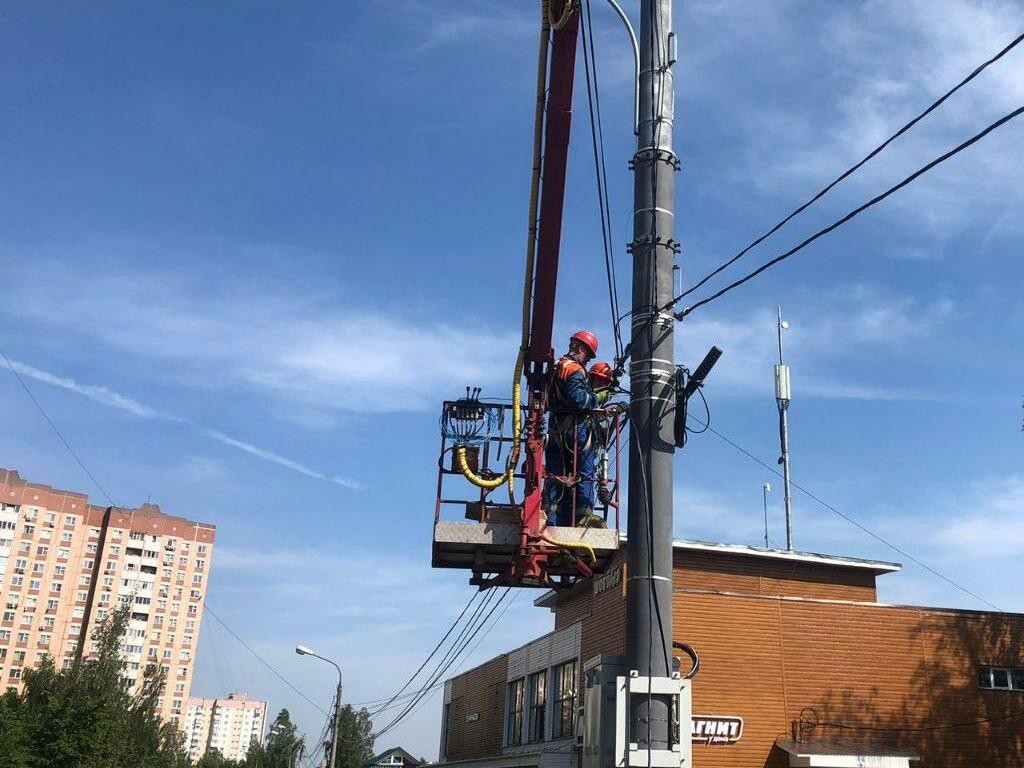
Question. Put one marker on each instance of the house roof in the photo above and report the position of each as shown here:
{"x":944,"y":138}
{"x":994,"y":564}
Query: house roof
{"x":389,"y":752}
{"x":877,"y":567}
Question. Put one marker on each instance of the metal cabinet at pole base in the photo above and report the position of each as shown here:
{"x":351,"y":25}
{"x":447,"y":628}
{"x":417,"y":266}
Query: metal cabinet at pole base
{"x":607,"y":743}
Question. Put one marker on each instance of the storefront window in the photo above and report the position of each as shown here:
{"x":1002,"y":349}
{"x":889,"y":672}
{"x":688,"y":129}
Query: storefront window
{"x":538,"y":704}
{"x":514,"y":721}
{"x":565,"y":700}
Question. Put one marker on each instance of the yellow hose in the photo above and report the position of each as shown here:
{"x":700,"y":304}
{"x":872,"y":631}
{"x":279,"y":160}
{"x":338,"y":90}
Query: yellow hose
{"x":571,"y":545}
{"x":531,"y":250}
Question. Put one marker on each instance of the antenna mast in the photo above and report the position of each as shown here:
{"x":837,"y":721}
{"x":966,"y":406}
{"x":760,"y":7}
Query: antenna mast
{"x":783,"y":396}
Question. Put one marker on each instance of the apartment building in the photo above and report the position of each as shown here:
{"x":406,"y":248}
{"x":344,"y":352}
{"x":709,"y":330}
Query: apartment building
{"x":227,"y":725}
{"x":65,"y":564}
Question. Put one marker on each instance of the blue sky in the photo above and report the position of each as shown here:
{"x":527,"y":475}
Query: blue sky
{"x":247,"y":249}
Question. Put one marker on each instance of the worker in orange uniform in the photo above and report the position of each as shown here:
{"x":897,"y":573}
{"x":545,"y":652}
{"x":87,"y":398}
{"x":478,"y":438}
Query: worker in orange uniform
{"x":569,"y":455}
{"x":604,"y":381}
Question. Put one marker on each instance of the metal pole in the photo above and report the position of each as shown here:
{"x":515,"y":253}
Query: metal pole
{"x":765,"y":490}
{"x":652,"y":369}
{"x":783,"y":396}
{"x":337,"y":722}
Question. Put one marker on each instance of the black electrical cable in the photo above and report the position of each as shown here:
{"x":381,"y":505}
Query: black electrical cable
{"x":107,"y":496}
{"x":600,"y":168}
{"x":261,"y":660}
{"x":437,"y":647}
{"x":453,"y":656}
{"x":432,"y":677}
{"x":849,"y":171}
{"x":444,"y":663}
{"x":437,"y":685}
{"x":856,"y":211}
{"x":706,"y":427}
{"x":56,"y":431}
{"x":899,"y":550}
{"x":434,"y":688}
{"x":690,"y":651}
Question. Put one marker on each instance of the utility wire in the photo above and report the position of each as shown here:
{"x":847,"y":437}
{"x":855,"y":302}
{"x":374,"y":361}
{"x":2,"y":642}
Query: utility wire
{"x":440,"y":684}
{"x":56,"y":431}
{"x":106,"y":495}
{"x":902,"y":552}
{"x":849,"y":171}
{"x":261,"y":660}
{"x":455,"y":654}
{"x":855,"y":212}
{"x":431,"y":654}
{"x":600,"y":170}
{"x":438,"y":669}
{"x":472,"y":650}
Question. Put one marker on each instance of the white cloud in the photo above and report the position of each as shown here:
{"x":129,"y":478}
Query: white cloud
{"x":437,"y":25}
{"x":986,"y":522}
{"x":825,"y":331}
{"x":847,"y":77}
{"x":320,"y":353}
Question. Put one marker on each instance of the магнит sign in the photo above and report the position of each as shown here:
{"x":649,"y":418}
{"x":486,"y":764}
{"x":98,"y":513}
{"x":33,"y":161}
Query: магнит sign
{"x":715,"y":729}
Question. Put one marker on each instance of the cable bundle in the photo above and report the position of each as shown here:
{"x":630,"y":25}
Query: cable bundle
{"x":467,"y":421}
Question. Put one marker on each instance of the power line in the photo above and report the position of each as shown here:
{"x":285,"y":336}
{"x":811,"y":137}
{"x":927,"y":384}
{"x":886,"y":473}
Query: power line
{"x":56,"y":431}
{"x":260,"y":658}
{"x":453,"y":653}
{"x":849,"y":171}
{"x":431,"y":654}
{"x":443,"y":667}
{"x":600,"y":170}
{"x":71,"y":450}
{"x":849,"y":519}
{"x":856,"y":211}
{"x":440,"y":684}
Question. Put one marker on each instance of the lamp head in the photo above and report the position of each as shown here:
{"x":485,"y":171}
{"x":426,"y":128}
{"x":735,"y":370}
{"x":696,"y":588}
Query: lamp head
{"x":303,"y":650}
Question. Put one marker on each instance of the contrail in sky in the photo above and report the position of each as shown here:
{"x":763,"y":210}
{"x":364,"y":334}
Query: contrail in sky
{"x":112,"y":399}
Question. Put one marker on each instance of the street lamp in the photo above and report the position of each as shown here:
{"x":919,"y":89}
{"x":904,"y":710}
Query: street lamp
{"x":303,"y":650}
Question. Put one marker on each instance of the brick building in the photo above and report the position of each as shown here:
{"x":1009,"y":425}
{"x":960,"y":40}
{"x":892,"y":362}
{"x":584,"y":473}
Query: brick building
{"x":65,"y":564}
{"x":792,"y":646}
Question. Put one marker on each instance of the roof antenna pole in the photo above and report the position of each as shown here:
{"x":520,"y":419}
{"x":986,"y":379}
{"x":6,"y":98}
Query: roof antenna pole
{"x":783,"y":396}
{"x":652,"y":394}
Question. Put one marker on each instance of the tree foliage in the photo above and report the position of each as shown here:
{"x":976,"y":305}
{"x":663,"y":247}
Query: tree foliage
{"x":86,"y":716}
{"x":355,"y":738}
{"x":284,"y":747}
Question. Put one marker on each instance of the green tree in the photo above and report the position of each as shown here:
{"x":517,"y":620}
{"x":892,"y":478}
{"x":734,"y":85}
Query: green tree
{"x":86,"y":716}
{"x":355,"y":738}
{"x":285,"y":746}
{"x":214,"y":759}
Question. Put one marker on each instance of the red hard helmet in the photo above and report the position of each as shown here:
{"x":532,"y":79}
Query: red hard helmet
{"x":603,"y":373}
{"x":587,"y":339}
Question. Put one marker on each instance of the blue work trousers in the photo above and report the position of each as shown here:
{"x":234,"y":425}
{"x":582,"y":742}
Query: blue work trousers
{"x":558,"y":460}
